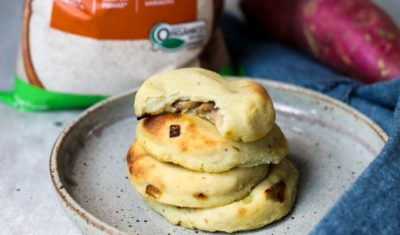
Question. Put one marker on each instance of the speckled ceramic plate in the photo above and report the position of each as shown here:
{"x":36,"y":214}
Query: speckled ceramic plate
{"x":330,"y":143}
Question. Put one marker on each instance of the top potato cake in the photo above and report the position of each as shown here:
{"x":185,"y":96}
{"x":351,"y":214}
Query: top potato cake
{"x":240,"y":109}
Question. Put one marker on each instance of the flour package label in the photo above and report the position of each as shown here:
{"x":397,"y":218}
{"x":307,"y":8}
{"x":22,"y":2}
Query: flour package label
{"x":74,"y":53}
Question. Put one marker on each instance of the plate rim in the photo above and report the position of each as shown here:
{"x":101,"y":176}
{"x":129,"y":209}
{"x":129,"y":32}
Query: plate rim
{"x":89,"y":219}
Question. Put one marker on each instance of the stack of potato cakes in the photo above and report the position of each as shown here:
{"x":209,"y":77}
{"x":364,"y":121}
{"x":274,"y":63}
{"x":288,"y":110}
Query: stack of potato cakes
{"x":208,"y":154}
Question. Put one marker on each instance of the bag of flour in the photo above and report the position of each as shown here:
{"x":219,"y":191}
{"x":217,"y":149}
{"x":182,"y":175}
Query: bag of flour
{"x":76,"y":52}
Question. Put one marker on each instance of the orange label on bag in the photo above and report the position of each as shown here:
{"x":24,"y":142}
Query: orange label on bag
{"x":119,"y":19}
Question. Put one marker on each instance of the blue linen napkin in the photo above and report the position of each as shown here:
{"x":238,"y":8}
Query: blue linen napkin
{"x":372,"y":204}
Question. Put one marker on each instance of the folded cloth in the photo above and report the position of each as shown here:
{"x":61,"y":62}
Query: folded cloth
{"x":371,"y":205}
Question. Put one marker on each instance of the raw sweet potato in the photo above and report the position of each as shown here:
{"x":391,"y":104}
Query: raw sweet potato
{"x":354,"y":37}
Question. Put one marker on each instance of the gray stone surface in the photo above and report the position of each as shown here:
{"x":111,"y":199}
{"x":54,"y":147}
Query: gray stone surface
{"x":28,"y":201}
{"x":10,"y":27}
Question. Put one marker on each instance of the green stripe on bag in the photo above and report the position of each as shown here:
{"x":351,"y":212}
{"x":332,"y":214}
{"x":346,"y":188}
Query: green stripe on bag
{"x":27,"y":97}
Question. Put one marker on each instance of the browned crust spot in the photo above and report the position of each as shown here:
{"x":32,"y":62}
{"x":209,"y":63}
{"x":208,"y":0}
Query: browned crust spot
{"x":200,"y":196}
{"x":276,"y":192}
{"x":229,"y":134}
{"x":154,"y":124}
{"x":136,"y":166}
{"x":209,"y":142}
{"x":183,"y":146}
{"x":258,"y":89}
{"x":153,"y":191}
{"x":129,"y":156}
{"x":241,"y":212}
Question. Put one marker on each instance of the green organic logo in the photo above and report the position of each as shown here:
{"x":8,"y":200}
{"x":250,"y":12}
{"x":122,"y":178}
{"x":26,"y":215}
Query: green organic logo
{"x":172,"y":37}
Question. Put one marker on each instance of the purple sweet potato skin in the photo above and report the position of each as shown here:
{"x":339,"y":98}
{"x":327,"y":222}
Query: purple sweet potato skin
{"x":354,"y":37}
